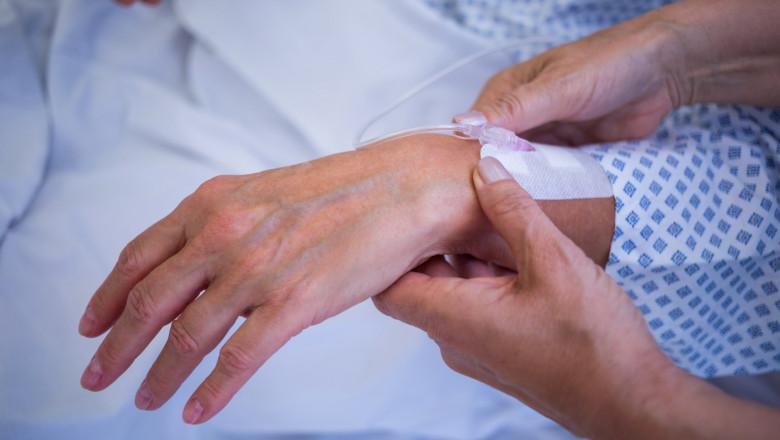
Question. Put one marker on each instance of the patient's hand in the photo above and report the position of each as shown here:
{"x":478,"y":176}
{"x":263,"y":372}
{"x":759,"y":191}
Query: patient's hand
{"x":286,"y":249}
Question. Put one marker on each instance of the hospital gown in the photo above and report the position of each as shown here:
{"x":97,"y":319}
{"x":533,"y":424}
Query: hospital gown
{"x":145,"y":104}
{"x":696,"y":242}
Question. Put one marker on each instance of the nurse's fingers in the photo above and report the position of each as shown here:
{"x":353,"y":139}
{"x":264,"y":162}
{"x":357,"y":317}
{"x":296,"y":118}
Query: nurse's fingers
{"x":436,"y":266}
{"x":523,"y":108}
{"x":467,"y":266}
{"x":265,"y":331}
{"x":426,"y":301}
{"x":193,"y":335}
{"x":516,"y":99}
{"x":136,"y":261}
{"x":152,"y":303}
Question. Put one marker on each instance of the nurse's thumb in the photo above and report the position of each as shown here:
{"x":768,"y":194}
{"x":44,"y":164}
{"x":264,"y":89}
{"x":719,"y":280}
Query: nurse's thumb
{"x":515,"y":215}
{"x":520,"y":109}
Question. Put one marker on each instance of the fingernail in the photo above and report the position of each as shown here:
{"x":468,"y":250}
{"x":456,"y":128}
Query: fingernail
{"x":143,"y":398}
{"x":92,"y":374}
{"x":88,"y":319}
{"x":192,"y":411}
{"x":492,"y":170}
{"x":476,"y":119}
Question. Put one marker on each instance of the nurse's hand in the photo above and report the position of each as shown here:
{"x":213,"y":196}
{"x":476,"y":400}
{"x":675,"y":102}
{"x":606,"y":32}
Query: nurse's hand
{"x":613,"y":85}
{"x":560,"y":335}
{"x":620,"y":82}
{"x":286,"y":249}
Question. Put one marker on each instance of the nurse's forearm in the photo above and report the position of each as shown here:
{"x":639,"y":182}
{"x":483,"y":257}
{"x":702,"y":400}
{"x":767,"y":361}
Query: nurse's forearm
{"x":724,"y":51}
{"x":676,"y":404}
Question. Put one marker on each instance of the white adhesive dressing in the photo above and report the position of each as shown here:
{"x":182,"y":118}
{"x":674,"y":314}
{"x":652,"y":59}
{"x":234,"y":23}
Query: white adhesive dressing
{"x":554,"y":173}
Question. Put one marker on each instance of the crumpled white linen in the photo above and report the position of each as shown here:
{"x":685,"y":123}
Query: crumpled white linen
{"x":144,"y":105}
{"x":24,"y":134}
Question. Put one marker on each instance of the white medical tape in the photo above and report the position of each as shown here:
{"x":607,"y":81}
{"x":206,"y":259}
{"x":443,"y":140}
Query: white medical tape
{"x":554,"y":173}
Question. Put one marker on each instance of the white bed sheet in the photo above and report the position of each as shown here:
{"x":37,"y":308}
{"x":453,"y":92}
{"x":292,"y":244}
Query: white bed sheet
{"x":145,"y":104}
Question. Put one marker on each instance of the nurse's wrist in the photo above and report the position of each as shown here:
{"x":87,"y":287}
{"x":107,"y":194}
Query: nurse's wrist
{"x":721,"y":51}
{"x":650,"y":400}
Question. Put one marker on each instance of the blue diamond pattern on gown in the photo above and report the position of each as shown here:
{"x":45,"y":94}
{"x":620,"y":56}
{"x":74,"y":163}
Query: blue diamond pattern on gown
{"x":696,"y":243}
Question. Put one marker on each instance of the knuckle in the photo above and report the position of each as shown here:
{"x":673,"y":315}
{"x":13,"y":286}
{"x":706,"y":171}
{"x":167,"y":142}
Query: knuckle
{"x":130,"y":262}
{"x":381,"y":304}
{"x":182,"y":340}
{"x":215,"y":186}
{"x":235,"y":361}
{"x":226,"y":220}
{"x":140,"y":303}
{"x":223,"y":229}
{"x":454,"y":362}
{"x":161,"y":385}
{"x":509,"y":201}
{"x":211,"y":392}
{"x":110,"y":355}
{"x":207,"y":192}
{"x":508,"y":105}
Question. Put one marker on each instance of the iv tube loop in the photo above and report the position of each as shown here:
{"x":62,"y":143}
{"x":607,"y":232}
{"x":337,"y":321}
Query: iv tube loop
{"x":445,"y":128}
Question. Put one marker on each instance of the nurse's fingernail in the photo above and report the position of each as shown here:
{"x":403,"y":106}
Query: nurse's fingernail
{"x":92,"y":374}
{"x":87,"y":323}
{"x":476,"y":119}
{"x":143,"y":398}
{"x":492,"y":170}
{"x":192,"y":411}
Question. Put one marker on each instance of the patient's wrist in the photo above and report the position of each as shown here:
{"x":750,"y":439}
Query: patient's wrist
{"x":441,"y":168}
{"x":436,"y":172}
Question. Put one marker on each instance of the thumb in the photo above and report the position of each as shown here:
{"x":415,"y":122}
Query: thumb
{"x":514,"y":213}
{"x":420,"y":300}
{"x":520,"y":109}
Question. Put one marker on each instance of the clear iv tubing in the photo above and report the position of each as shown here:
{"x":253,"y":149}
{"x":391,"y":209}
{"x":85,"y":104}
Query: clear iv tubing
{"x":500,"y":137}
{"x":458,"y":130}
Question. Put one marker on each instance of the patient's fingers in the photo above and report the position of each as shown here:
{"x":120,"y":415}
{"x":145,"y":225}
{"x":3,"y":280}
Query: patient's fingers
{"x":151,"y":304}
{"x":266,"y":329}
{"x":137,"y":260}
{"x":199,"y":329}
